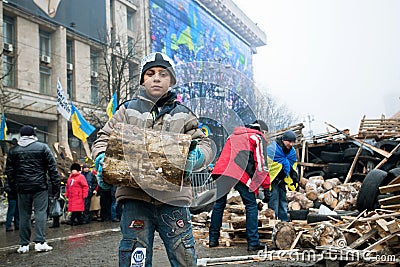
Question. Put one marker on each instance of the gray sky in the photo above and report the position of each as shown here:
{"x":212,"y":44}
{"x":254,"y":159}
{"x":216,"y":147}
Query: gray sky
{"x":336,"y":60}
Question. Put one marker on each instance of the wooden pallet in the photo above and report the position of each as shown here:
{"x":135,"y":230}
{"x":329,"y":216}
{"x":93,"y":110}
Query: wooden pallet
{"x":297,"y":129}
{"x":379,"y":128}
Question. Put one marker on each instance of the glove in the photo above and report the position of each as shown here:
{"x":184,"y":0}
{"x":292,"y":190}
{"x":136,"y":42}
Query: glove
{"x":98,"y":163}
{"x":267,"y":195}
{"x":194,"y":161}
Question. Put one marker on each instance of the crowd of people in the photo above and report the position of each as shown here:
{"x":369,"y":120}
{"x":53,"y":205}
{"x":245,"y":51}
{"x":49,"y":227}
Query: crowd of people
{"x":245,"y":164}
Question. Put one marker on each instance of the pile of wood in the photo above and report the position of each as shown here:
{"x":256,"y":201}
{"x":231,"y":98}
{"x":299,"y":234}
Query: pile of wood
{"x":297,"y":129}
{"x":330,"y":192}
{"x":133,"y":153}
{"x":379,"y":128}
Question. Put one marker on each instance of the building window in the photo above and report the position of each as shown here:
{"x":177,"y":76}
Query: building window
{"x":94,"y":68}
{"x":69,"y":52}
{"x":129,"y":19}
{"x":94,"y":92}
{"x":45,"y":80}
{"x":69,"y":86}
{"x":8,"y":71}
{"x":8,"y":30}
{"x":131,"y":46}
{"x":44,"y":43}
{"x":70,"y":68}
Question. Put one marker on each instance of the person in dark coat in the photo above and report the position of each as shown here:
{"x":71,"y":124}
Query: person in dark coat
{"x":29,"y":166}
{"x":12,"y":210}
{"x":92,"y":183}
{"x":76,"y":191}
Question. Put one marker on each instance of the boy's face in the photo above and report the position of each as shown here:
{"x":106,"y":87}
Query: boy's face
{"x":157,"y":81}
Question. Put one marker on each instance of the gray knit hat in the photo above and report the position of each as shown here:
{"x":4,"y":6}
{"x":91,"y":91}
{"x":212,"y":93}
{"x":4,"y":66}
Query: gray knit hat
{"x":157,"y":59}
{"x":289,"y":136}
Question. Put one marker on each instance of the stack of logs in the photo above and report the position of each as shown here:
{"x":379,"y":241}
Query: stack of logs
{"x":376,"y":233}
{"x":330,"y":192}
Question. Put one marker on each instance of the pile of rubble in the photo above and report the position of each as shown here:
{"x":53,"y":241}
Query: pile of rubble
{"x":347,"y":206}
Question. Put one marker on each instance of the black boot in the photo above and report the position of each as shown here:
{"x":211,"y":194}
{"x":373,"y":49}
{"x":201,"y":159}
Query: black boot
{"x":56,"y":222}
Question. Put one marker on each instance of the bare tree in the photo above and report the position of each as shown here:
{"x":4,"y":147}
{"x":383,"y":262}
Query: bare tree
{"x":5,"y":95}
{"x":276,"y":116}
{"x":117,"y":72}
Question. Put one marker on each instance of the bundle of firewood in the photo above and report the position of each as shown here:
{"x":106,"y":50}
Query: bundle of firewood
{"x":135,"y":153}
{"x":330,"y":192}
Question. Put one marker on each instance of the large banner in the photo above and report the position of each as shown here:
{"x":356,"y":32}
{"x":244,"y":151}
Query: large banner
{"x":87,"y":17}
{"x":186,"y":32}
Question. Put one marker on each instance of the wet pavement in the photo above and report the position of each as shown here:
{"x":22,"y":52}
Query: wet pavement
{"x":94,"y":244}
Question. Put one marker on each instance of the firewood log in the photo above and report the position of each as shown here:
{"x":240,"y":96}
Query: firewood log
{"x":303,"y":181}
{"x":331,"y":183}
{"x":326,"y":234}
{"x":283,"y":235}
{"x":134,"y":153}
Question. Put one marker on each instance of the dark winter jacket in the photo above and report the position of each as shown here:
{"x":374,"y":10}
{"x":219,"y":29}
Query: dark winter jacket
{"x":29,"y":167}
{"x":165,"y":115}
{"x":91,"y":181}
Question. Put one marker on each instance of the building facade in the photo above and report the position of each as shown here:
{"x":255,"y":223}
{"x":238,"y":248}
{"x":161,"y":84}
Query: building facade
{"x":84,"y":43}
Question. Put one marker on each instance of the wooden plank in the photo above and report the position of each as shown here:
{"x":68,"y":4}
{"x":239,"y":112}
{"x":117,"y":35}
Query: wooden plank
{"x":377,"y":150}
{"x":296,"y":240}
{"x":377,"y":217}
{"x":363,"y":238}
{"x":309,"y":164}
{"x":389,"y":200}
{"x":383,"y":161}
{"x":353,"y":165}
{"x":389,"y":188}
{"x":380,"y":241}
{"x":356,"y":219}
{"x":393,"y":226}
{"x":303,"y":156}
{"x":394,"y":207}
{"x":395,"y":181}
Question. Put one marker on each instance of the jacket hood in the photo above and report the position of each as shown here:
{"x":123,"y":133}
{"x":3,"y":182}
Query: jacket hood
{"x":27,"y":140}
{"x":244,"y":130}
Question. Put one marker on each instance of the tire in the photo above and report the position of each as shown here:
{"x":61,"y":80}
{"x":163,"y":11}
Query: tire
{"x":339,"y":168}
{"x":315,"y":217}
{"x":204,"y":202}
{"x":350,"y":153}
{"x":368,"y":195}
{"x":298,"y":214}
{"x":327,"y":156}
{"x":387,"y":145}
{"x":393,"y":173}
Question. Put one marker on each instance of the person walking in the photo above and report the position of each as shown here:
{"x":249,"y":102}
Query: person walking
{"x":92,"y":183}
{"x":144,"y":212}
{"x":282,"y":162}
{"x":76,"y":191}
{"x":242,"y":165}
{"x":12,"y":208}
{"x":29,"y":166}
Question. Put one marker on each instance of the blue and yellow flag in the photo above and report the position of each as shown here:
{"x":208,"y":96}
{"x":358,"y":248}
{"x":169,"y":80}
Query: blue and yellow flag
{"x":80,"y":127}
{"x":3,"y":128}
{"x":112,"y":105}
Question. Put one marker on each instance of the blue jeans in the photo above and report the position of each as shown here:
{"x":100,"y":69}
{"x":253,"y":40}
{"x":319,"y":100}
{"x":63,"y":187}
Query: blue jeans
{"x":116,"y":209}
{"x":278,"y":202}
{"x":12,"y":213}
{"x":138,"y":223}
{"x":39,"y":202}
{"x":249,"y":200}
